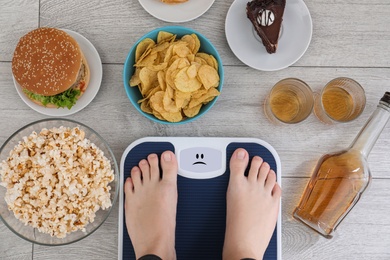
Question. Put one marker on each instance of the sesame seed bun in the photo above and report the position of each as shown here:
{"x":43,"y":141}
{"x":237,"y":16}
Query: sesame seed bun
{"x":82,"y":86}
{"x":48,"y":61}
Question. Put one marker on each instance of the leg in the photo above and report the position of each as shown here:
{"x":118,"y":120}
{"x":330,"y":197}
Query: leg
{"x":150,"y":206}
{"x":252,"y":207}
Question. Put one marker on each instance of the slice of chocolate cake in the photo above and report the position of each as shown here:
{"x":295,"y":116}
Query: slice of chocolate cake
{"x":266,"y":17}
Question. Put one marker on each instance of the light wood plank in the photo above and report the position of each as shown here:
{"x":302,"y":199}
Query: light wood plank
{"x":345,"y":33}
{"x":13,"y":247}
{"x":349,"y":33}
{"x":16,"y":19}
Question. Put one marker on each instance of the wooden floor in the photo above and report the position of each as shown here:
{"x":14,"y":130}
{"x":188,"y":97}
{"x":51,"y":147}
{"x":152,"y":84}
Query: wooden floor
{"x":350,"y":38}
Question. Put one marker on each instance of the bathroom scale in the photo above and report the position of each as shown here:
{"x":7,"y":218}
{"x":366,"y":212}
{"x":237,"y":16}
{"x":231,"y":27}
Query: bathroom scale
{"x":203,"y":177}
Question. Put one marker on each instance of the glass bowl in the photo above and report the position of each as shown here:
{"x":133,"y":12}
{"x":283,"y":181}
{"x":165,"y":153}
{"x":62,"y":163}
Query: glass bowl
{"x":32,"y":234}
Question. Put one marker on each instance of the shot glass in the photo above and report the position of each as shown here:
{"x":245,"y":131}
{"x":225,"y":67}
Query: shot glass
{"x":290,"y":101}
{"x":341,"y":100}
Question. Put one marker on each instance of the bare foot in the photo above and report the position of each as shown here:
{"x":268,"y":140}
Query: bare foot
{"x":252,"y":207}
{"x":150,"y":206}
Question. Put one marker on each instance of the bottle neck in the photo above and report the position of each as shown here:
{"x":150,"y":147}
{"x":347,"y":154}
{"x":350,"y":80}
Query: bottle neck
{"x":367,"y":137}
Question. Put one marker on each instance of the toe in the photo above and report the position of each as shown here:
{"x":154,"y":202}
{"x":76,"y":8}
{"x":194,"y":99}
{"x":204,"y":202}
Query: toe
{"x":154,"y":167}
{"x":136,"y":177}
{"x":129,"y":189}
{"x":238,"y":162}
{"x":276,"y":191}
{"x":145,"y":169}
{"x":169,"y":166}
{"x":263,"y":172}
{"x":129,"y":186}
{"x":270,"y":181}
{"x":254,"y":169}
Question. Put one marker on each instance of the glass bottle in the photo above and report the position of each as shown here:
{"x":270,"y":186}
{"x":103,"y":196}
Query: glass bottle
{"x":340,"y":178}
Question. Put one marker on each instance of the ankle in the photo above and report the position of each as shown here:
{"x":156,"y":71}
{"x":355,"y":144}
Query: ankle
{"x":240,"y":252}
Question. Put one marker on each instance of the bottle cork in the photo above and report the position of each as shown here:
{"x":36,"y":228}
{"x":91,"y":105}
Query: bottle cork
{"x":386,"y":98}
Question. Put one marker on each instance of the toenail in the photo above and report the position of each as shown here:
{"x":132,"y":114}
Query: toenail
{"x":167,"y":157}
{"x":143,"y":162}
{"x":240,"y":155}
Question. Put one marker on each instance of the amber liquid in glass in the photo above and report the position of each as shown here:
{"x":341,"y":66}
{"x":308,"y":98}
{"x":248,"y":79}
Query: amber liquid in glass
{"x":334,"y":188}
{"x":337,"y":103}
{"x":285,"y":104}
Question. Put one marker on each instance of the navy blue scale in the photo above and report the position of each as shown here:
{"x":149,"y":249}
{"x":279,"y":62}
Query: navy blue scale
{"x":201,"y":211}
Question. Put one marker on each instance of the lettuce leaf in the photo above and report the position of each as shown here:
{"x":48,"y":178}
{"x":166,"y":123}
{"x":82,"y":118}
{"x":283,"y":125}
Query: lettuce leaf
{"x":64,"y":99}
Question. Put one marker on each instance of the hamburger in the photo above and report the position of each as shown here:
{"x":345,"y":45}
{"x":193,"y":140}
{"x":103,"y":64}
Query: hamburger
{"x":50,"y":67}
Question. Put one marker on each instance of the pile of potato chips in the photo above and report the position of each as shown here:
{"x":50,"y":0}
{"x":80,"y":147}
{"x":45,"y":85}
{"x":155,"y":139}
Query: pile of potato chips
{"x":174,"y":79}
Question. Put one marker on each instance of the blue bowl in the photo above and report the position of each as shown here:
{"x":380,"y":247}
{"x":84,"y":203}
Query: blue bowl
{"x":134,"y":94}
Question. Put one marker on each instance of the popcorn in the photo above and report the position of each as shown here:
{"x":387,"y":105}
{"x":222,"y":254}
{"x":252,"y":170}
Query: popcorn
{"x":56,"y":180}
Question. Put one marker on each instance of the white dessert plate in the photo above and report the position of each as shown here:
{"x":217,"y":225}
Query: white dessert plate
{"x":294,"y":39}
{"x":96,"y":70}
{"x":176,"y":13}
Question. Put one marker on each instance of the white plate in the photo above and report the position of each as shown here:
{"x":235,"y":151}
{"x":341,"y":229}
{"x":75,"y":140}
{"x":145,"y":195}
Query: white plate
{"x":176,"y":13}
{"x":294,"y":40}
{"x":96,"y":69}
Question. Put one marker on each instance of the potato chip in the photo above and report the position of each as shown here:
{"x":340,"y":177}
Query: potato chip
{"x":148,"y":80}
{"x":149,"y":94}
{"x":207,"y":100}
{"x":146,"y":107}
{"x":181,"y":49}
{"x":173,"y":58}
{"x":182,"y":98}
{"x":169,"y":71}
{"x":157,"y":67}
{"x":135,"y":81}
{"x":192,"y":71}
{"x":190,"y":41}
{"x":169,"y":102}
{"x":172,"y":117}
{"x":183,"y":63}
{"x":210,"y":60}
{"x":146,"y":60}
{"x":161,"y":80}
{"x":197,"y":65}
{"x":215,"y":62}
{"x":158,"y":115}
{"x":185,"y":83}
{"x":191,"y":112}
{"x":199,"y":93}
{"x":142,"y":47}
{"x":197,"y":43}
{"x":156,"y":101}
{"x":212,"y":92}
{"x":200,"y":60}
{"x":208,"y":76}
{"x":175,"y":80}
{"x":163,"y":36}
{"x":168,"y":55}
{"x":159,"y":48}
{"x":190,"y":57}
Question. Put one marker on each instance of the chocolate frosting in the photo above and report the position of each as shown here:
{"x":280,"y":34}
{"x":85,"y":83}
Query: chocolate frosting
{"x":269,"y":34}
